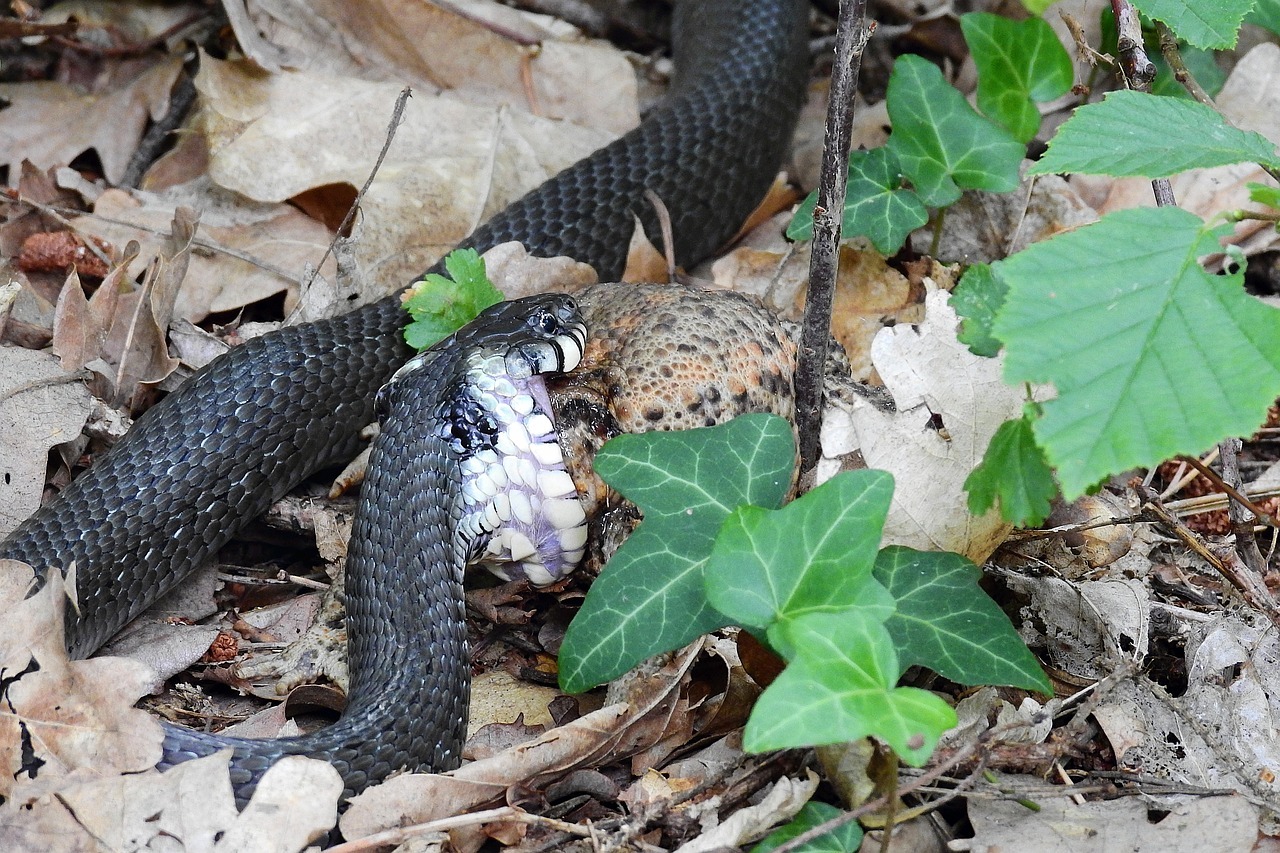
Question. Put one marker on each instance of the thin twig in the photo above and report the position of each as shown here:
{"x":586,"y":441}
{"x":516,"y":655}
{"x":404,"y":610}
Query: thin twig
{"x":147,"y":152}
{"x":1236,"y":492}
{"x":398,"y":835}
{"x":1169,"y":50}
{"x":851,"y":39}
{"x":397,"y":113}
{"x":1241,"y":511}
{"x":1223,"y":560}
{"x":1139,"y":72}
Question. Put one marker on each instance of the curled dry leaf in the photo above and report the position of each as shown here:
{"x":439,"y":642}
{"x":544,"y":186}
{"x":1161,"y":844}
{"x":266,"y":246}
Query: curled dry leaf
{"x":783,"y":799}
{"x":62,"y":717}
{"x":40,"y":406}
{"x":135,"y":348}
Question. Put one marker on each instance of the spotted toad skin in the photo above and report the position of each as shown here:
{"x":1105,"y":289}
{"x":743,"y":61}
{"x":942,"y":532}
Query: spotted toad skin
{"x":663,"y":357}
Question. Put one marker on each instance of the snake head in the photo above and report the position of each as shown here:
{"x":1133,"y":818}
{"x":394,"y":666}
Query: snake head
{"x":551,"y":339}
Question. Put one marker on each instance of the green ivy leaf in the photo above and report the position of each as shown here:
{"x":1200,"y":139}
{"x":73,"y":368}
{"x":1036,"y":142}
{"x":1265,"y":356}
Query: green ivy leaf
{"x":1015,"y":471}
{"x":944,"y":621}
{"x":650,"y":598}
{"x":440,"y":306}
{"x":840,"y":687}
{"x":816,"y":553}
{"x":977,"y":299}
{"x":1132,"y":134}
{"x":846,"y":839}
{"x":1019,"y":63}
{"x":942,"y":144}
{"x":876,"y":205}
{"x":1209,"y":25}
{"x":1151,"y":355}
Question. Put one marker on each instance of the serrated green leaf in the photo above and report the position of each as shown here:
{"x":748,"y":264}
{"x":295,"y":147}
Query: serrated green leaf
{"x":439,"y":306}
{"x":1265,"y":194}
{"x":944,"y":621}
{"x":840,"y":687}
{"x":1019,"y":63}
{"x":941,"y":143}
{"x":875,"y":204}
{"x":650,"y":598}
{"x":816,"y":553}
{"x":1132,"y":134}
{"x":846,"y":839}
{"x":1013,"y":470}
{"x":1212,"y":26}
{"x":1151,"y":355}
{"x":977,"y":299}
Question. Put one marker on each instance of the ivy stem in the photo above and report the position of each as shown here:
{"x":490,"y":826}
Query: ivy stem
{"x":852,"y":33}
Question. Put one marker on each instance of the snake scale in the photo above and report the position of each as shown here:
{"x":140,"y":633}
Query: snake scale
{"x":183,"y":482}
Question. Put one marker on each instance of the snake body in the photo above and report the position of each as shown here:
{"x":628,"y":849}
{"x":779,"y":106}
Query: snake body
{"x":182,"y":483}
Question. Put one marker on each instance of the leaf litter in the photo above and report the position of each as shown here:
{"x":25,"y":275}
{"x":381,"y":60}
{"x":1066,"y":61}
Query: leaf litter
{"x":1198,"y":716}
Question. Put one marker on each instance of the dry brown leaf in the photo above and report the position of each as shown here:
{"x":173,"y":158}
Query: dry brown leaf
{"x":135,"y":348}
{"x":493,"y":55}
{"x":613,"y":732}
{"x":80,"y":325}
{"x":247,"y":252}
{"x":986,"y":226}
{"x":51,"y":123}
{"x":783,"y":799}
{"x":41,"y":405}
{"x":61,"y":716}
{"x":451,"y":166}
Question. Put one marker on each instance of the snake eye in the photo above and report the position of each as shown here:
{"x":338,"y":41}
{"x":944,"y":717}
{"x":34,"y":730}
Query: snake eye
{"x":546,"y":322}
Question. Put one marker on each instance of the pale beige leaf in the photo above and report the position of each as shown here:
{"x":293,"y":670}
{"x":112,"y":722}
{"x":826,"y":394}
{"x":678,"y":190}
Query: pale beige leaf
{"x":191,"y":808}
{"x":1058,"y":825}
{"x":59,"y":716}
{"x":41,"y":405}
{"x":490,"y":55}
{"x":451,"y":166}
{"x":928,"y":373}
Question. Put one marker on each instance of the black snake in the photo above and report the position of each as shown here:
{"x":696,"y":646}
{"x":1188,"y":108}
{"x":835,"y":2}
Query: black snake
{"x":183,"y":482}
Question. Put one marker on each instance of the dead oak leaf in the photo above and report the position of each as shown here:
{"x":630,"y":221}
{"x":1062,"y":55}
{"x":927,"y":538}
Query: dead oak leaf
{"x":51,"y":123}
{"x":59,"y":716}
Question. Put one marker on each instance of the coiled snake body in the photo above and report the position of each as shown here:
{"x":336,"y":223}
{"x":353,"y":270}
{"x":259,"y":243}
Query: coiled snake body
{"x":184,"y":481}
